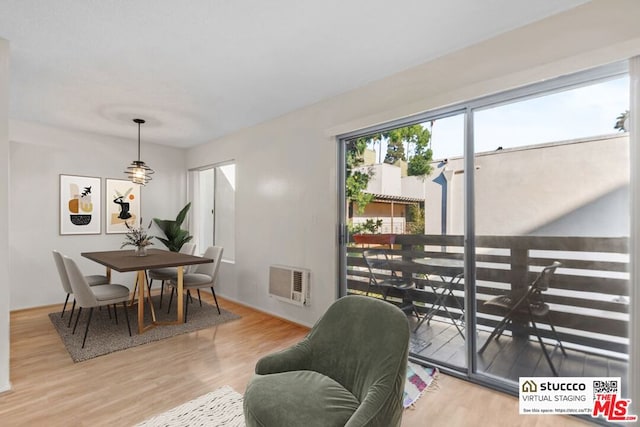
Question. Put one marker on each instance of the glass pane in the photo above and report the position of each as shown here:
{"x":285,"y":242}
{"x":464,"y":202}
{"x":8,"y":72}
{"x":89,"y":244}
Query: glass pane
{"x":393,"y":179}
{"x":204,"y":207}
{"x":551,"y":186}
{"x":224,"y":218}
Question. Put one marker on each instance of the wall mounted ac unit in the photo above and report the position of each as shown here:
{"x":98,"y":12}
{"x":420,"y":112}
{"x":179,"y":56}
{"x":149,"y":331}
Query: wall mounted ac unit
{"x":289,"y":284}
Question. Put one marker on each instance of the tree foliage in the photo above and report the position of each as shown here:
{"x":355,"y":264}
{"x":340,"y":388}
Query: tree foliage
{"x":410,"y":142}
{"x":357,"y":179}
{"x":395,"y":146}
{"x":621,"y":122}
{"x":415,"y":219}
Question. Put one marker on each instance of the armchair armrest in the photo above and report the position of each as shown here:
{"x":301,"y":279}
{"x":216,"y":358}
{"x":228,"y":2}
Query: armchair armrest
{"x":295,"y":358}
{"x":374,"y":410}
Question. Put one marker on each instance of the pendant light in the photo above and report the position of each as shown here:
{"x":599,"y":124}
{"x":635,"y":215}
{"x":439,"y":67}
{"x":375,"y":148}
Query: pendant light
{"x":138,"y":172}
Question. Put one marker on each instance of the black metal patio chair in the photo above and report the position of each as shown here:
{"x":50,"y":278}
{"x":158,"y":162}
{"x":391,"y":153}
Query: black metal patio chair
{"x":528,"y":306}
{"x":383,"y":276}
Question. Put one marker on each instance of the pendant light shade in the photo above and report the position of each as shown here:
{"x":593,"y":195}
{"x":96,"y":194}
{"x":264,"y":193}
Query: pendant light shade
{"x":138,"y":172}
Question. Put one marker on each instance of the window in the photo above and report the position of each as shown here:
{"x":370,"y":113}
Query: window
{"x":212,"y":193}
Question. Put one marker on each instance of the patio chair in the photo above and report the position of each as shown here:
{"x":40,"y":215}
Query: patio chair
{"x":529,"y":306}
{"x":348,"y":371}
{"x":383,"y":276}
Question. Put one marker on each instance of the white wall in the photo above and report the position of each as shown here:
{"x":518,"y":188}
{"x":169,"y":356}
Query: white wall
{"x":385,"y":179}
{"x":4,"y":216}
{"x":572,"y":188}
{"x":286,"y":202}
{"x":38,"y":155}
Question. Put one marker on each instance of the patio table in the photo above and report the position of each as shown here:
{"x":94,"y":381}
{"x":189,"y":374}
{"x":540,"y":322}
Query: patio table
{"x":445,"y":268}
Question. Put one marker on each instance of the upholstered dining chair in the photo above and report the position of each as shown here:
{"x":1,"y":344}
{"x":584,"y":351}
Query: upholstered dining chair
{"x":94,"y":296}
{"x":92,"y":280}
{"x":348,"y":371}
{"x":202,"y":276}
{"x":168,"y":273}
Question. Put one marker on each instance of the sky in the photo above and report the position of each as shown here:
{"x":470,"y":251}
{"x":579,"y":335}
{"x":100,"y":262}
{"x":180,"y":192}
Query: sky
{"x":577,"y":113}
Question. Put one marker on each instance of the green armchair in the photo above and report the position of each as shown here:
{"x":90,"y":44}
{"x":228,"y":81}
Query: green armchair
{"x":348,"y":371}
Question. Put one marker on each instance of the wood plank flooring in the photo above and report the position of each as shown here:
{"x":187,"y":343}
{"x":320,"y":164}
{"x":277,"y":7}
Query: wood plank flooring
{"x":126,"y":387}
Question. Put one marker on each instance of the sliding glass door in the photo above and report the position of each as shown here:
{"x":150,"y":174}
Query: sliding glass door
{"x":552,"y":186}
{"x":525,"y":187}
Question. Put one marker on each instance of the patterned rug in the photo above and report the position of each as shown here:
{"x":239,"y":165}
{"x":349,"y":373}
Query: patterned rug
{"x":220,"y":408}
{"x":105,"y":336}
{"x":419,"y":379}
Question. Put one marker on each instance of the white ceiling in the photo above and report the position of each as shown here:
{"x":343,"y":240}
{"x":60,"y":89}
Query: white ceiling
{"x":200,"y":69}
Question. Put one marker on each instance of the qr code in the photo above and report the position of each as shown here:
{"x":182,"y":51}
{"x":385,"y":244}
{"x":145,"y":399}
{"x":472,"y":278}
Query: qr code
{"x":605,"y":387}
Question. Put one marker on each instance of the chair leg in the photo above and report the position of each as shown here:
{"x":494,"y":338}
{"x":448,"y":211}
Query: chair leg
{"x":171,"y":299}
{"x":215,"y":299}
{"x":544,"y":349}
{"x":64,"y":307}
{"x":499,"y":328}
{"x":86,"y":330}
{"x":134,"y":293}
{"x":199,"y":298}
{"x":186,"y":305}
{"x":115,"y":313}
{"x":161,"y":292}
{"x":73,"y":307}
{"x":77,"y":318}
{"x":555,"y":334}
{"x":126,"y":315}
{"x":148,"y":283}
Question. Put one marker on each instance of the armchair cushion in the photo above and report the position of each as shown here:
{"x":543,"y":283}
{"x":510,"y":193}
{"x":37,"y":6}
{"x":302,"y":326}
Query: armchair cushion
{"x":313,"y":399}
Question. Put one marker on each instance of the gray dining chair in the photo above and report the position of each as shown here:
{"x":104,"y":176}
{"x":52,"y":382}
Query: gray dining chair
{"x":92,"y":280}
{"x":94,"y":296}
{"x":203,"y":276}
{"x":168,"y":273}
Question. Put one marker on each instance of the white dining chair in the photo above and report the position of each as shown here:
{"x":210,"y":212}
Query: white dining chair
{"x":203,"y":276}
{"x":92,"y":280}
{"x":94,"y":296}
{"x":169,"y":273}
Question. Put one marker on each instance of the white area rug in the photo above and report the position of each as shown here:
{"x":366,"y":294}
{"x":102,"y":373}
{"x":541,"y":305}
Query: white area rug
{"x":220,"y":408}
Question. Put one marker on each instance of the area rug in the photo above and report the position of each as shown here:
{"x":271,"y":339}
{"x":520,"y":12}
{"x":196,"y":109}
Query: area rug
{"x":105,"y":336}
{"x":419,"y":379}
{"x":223,"y":407}
{"x":220,"y":408}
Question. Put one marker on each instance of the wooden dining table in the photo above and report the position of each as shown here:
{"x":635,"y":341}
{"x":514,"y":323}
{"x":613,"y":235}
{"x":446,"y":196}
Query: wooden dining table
{"x":127,"y":260}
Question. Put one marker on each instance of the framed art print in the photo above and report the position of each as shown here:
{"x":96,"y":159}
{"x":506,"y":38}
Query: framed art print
{"x":80,"y":207}
{"x":122,"y":203}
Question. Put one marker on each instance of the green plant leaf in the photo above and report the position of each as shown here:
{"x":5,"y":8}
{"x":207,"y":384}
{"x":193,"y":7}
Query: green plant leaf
{"x":175,"y":236}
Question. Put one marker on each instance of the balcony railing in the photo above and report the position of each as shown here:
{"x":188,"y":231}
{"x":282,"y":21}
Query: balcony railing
{"x":589,"y":296}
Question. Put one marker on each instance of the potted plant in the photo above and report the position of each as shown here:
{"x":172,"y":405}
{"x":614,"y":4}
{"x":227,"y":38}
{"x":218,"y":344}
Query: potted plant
{"x":138,"y":237}
{"x":175,"y":236}
{"x":367,"y":233}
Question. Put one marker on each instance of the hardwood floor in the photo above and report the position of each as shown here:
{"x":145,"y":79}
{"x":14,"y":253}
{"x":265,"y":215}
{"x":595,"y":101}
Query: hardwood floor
{"x":126,"y":387}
